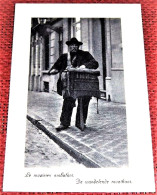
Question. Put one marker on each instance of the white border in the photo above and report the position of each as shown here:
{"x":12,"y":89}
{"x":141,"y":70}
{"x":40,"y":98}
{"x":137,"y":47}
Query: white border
{"x":140,"y":170}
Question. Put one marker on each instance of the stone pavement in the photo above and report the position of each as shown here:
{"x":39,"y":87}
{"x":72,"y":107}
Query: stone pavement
{"x":41,"y":151}
{"x":102,"y":144}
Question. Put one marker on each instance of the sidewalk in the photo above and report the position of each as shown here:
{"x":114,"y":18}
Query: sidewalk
{"x":102,"y":144}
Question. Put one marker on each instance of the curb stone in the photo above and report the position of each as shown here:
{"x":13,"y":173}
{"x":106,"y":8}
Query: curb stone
{"x":89,"y":159}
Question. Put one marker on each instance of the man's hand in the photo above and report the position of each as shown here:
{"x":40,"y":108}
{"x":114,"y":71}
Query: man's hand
{"x":68,"y":68}
{"x":53,"y":71}
{"x":82,"y":67}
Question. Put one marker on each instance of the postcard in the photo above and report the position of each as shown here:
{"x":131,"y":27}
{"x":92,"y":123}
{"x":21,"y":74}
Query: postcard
{"x":78,"y":110}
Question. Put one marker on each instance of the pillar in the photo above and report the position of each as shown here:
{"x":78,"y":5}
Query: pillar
{"x":31,"y":70}
{"x":54,"y":55}
{"x":36,"y":77}
{"x":117,"y":71}
{"x":108,"y":59}
{"x":41,"y":63}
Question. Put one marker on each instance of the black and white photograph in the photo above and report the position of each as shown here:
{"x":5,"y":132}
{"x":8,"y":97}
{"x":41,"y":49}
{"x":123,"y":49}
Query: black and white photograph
{"x":78,"y":118}
{"x":76,"y":86}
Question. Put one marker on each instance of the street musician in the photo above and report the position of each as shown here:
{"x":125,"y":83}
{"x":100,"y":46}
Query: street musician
{"x":75,"y":59}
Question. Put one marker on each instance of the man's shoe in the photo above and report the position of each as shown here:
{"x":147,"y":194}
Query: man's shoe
{"x":61,"y":127}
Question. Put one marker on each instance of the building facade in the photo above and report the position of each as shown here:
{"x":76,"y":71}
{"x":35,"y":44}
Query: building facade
{"x":100,"y":36}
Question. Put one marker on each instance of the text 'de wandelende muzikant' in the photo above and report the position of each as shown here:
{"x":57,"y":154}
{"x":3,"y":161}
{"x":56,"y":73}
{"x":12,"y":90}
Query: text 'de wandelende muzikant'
{"x":78,"y":180}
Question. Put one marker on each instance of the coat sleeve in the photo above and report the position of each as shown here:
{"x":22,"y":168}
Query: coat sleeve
{"x":90,"y":62}
{"x":60,"y":63}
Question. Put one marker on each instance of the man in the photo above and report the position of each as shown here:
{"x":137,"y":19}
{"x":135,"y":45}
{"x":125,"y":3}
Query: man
{"x":77,"y":59}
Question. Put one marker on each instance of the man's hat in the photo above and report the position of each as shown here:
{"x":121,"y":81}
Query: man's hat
{"x":73,"y":40}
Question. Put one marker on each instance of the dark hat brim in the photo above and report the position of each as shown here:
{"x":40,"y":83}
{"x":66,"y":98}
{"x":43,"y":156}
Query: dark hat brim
{"x":76,"y":42}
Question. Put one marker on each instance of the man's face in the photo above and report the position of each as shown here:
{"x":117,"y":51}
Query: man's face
{"x":73,"y":48}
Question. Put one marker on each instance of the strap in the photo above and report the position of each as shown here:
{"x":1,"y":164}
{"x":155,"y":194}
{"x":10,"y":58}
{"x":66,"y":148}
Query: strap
{"x":67,"y":73}
{"x":73,"y":60}
{"x":68,"y":60}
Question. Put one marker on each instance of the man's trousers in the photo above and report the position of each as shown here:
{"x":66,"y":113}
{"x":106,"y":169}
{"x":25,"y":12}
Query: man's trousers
{"x":67,"y":108}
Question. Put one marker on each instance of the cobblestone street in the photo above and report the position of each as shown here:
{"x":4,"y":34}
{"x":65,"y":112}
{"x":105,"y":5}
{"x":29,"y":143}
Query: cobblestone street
{"x":104,"y":141}
{"x":42,"y":151}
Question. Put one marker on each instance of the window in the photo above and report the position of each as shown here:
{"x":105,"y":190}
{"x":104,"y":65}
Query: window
{"x":77,"y":28}
{"x":46,"y":86}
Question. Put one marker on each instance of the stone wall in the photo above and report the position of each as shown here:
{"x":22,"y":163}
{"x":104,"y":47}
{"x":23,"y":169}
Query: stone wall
{"x":117,"y":71}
